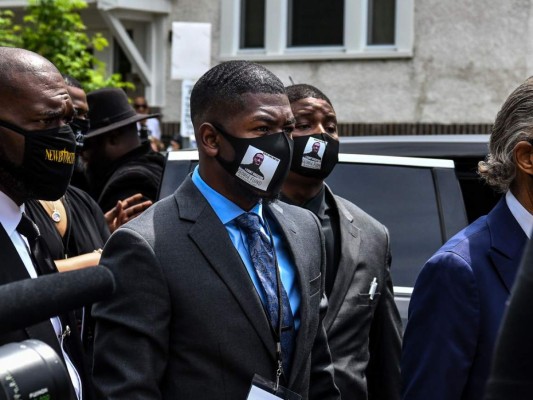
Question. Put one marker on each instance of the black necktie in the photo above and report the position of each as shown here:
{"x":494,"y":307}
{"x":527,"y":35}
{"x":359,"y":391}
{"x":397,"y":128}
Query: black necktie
{"x":263,"y":260}
{"x":40,"y":254}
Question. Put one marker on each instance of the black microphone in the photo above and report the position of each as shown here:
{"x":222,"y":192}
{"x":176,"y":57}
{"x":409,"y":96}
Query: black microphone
{"x":30,"y":301}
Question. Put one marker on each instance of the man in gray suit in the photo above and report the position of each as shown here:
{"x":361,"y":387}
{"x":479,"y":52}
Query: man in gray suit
{"x":362,"y":323}
{"x":192,"y":317}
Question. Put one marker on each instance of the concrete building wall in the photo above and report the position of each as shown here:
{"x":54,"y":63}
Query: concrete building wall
{"x":468,"y":56}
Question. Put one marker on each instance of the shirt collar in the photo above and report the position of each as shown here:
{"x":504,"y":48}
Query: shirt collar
{"x":317,"y":205}
{"x":10,"y":213}
{"x":225,"y":209}
{"x":522,"y":216}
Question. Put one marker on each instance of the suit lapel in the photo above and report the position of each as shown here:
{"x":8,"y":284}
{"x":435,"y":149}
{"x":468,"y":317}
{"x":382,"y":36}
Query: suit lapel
{"x":12,"y":270}
{"x":289,"y":230}
{"x":213,"y":241}
{"x":350,"y":237}
{"x":507,"y":240}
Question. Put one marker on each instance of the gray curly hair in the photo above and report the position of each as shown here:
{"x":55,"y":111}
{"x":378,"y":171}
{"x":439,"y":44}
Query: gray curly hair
{"x":514,"y":123}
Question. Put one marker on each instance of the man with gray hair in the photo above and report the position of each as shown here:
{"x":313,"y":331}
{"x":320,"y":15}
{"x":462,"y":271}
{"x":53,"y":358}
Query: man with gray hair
{"x":459,"y":297}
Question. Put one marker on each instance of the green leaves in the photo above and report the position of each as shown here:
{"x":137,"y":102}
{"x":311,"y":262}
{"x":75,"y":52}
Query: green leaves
{"x":9,"y":33}
{"x":54,"y":29}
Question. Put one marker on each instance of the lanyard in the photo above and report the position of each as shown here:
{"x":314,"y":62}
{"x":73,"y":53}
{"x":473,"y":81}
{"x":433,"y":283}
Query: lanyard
{"x":277,"y":329}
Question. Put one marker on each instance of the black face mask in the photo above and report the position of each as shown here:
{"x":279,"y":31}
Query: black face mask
{"x":80,"y":127}
{"x":48,"y":161}
{"x":261,"y":163}
{"x":315,"y":155}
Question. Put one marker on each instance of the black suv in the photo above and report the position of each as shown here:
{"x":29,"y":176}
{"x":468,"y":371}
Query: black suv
{"x":419,"y":199}
{"x":465,"y":150}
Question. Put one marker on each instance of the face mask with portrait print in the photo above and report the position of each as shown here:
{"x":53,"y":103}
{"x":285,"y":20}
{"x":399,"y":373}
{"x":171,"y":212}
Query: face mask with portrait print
{"x":48,"y":161}
{"x":315,"y":155}
{"x":261,"y":163}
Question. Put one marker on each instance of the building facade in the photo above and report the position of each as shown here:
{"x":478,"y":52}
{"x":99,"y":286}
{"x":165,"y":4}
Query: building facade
{"x":389,"y":66}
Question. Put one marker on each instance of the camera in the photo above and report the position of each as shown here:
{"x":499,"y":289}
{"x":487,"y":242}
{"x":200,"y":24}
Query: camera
{"x":32,"y":370}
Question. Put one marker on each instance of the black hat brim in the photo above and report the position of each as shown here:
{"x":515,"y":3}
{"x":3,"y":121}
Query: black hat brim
{"x":119,"y":124}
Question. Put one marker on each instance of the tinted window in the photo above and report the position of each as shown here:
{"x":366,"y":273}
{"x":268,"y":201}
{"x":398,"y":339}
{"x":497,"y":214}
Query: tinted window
{"x":316,"y":23}
{"x":252,"y":24}
{"x":174,"y":174}
{"x":404,"y":200}
{"x":381,"y":21}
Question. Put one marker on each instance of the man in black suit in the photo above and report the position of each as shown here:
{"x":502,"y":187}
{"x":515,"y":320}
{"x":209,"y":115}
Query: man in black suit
{"x":362,"y":323}
{"x":194,"y":318}
{"x":118,"y":163}
{"x":36,"y":160}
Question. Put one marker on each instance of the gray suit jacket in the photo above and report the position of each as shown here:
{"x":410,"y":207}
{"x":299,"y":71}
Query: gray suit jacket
{"x":364,"y":335}
{"x":186,"y":321}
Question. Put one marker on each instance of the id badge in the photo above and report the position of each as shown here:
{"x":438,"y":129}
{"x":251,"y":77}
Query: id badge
{"x":263,"y":389}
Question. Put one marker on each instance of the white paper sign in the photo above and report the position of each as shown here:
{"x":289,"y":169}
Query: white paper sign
{"x":191,"y":50}
{"x":260,"y":394}
{"x":186,"y":128}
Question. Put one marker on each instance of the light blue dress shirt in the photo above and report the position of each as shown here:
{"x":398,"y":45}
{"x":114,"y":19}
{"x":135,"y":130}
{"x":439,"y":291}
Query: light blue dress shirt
{"x":227,"y":211}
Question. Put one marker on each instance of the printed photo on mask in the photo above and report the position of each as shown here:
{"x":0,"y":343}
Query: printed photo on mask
{"x":257,"y":168}
{"x":313,"y":153}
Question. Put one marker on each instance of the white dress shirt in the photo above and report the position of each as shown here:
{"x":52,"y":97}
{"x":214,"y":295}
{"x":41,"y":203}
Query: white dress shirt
{"x":153,"y":126}
{"x":522,"y":216}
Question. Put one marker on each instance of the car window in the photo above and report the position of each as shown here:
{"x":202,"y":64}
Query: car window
{"x":404,"y":200}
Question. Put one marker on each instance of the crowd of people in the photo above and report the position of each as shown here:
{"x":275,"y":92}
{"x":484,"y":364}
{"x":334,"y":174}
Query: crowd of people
{"x":253,"y":280}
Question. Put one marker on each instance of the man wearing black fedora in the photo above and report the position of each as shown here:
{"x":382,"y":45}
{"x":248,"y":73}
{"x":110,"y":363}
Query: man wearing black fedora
{"x":118,"y":163}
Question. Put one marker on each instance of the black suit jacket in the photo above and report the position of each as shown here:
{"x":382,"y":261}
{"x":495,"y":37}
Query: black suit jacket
{"x":186,"y":321}
{"x":364,"y":334}
{"x":13,"y":270}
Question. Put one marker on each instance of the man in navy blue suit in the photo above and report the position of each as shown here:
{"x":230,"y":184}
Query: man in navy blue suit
{"x":460,"y":295}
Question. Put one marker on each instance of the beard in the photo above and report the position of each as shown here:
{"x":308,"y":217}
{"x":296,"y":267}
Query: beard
{"x":96,"y":174}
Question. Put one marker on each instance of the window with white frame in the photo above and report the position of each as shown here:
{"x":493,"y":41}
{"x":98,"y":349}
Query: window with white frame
{"x":316,"y":29}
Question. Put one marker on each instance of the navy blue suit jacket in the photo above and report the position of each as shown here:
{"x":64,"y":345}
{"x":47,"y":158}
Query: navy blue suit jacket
{"x":456,"y":309}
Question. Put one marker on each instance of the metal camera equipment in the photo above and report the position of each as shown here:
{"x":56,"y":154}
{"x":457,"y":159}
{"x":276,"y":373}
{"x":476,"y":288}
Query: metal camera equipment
{"x":31,"y":370}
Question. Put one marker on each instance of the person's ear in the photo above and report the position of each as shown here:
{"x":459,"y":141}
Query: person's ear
{"x":208,"y":139}
{"x":523,"y":154}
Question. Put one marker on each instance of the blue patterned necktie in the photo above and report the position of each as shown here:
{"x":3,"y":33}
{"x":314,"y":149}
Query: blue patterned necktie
{"x":263,"y":260}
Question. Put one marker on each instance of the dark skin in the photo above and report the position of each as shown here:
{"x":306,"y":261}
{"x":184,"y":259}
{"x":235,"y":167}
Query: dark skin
{"x":40,"y":101}
{"x":102,"y":150}
{"x":312,"y":116}
{"x":126,"y":209}
{"x":261,"y":114}
{"x":79,"y":101}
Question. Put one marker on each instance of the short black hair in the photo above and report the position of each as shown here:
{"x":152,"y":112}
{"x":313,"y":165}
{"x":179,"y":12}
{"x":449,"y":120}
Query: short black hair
{"x":71,"y":81}
{"x":303,"y":91}
{"x":220,"y":88}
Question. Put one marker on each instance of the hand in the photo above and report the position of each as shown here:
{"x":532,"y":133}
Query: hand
{"x":126,"y":210}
